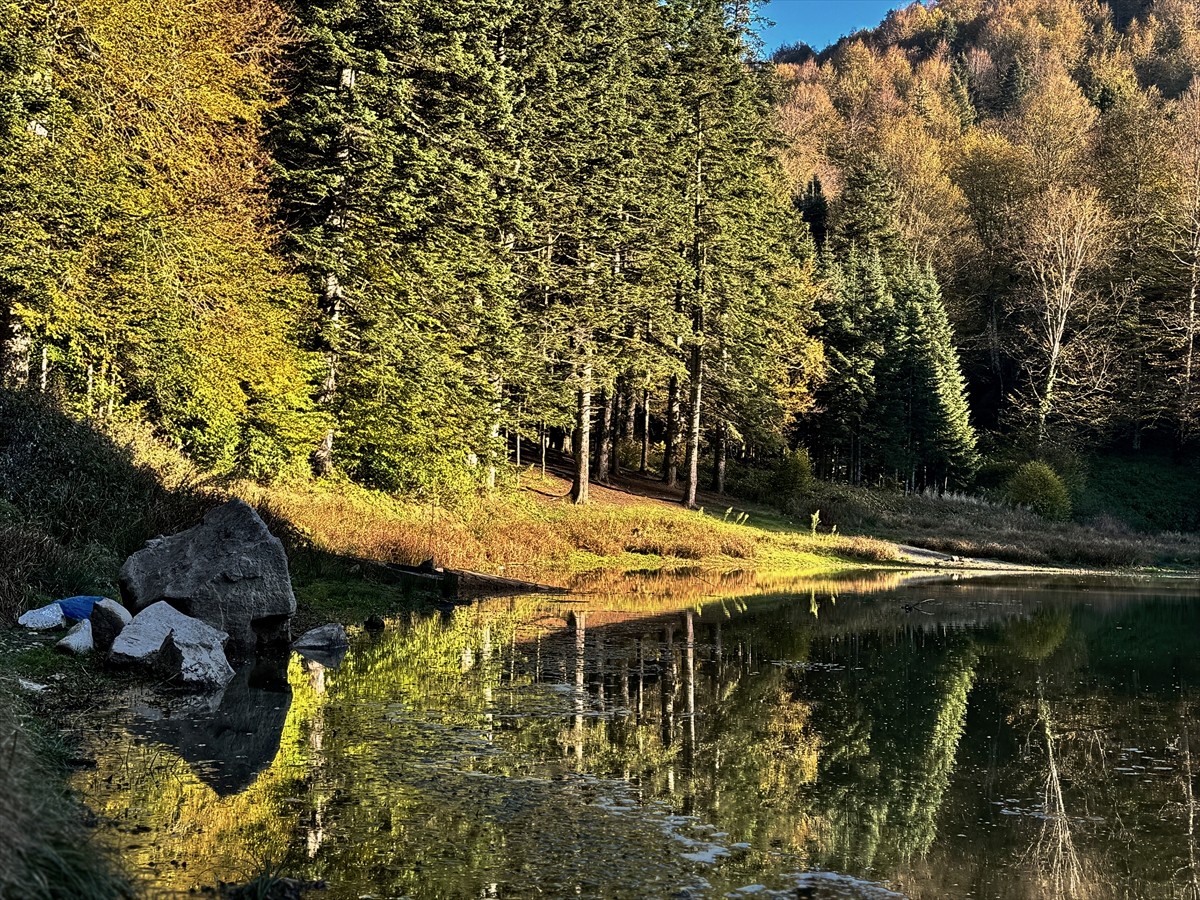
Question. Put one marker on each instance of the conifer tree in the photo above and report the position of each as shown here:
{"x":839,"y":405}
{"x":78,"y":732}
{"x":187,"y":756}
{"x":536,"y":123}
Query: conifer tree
{"x":920,"y":417}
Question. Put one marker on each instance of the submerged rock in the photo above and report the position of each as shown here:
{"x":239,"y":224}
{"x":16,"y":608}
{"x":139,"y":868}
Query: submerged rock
{"x":229,"y":572}
{"x":78,"y":639}
{"x":326,"y":645}
{"x":326,"y":637}
{"x":109,"y":619}
{"x":176,"y":645}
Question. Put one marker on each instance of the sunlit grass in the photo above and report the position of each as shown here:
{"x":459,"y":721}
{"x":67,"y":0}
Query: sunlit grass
{"x":527,"y":534}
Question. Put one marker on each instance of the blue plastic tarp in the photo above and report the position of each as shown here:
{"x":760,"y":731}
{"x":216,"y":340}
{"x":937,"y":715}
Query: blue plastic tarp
{"x":78,"y":608}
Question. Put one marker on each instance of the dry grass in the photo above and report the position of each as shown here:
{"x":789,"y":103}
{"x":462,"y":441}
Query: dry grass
{"x":537,"y":533}
{"x":966,"y":527}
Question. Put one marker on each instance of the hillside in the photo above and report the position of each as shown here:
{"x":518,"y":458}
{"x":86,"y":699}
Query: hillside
{"x":1044,"y":157}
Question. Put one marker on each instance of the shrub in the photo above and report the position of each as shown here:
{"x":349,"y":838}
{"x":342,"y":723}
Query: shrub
{"x":748,"y":483}
{"x":1037,"y":486}
{"x":793,"y":480}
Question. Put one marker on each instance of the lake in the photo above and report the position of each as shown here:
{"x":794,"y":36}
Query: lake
{"x":687,"y":735}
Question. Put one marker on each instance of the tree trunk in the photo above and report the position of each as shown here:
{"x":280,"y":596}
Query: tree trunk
{"x":670,"y":470}
{"x":494,"y":433}
{"x":614,"y":434}
{"x":16,"y":345}
{"x":604,"y":437}
{"x":645,"y":432}
{"x":720,"y":447}
{"x":696,"y":362}
{"x":582,"y":438}
{"x":1046,"y":401}
{"x":332,"y":299}
{"x":1189,"y":344}
{"x":629,"y":398}
{"x":696,"y":372}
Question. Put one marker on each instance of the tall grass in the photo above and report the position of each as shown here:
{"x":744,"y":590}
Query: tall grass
{"x":530,"y":535}
{"x":73,"y":503}
{"x":46,"y":852}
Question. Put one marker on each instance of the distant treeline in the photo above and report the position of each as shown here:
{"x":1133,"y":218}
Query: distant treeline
{"x":393,"y":239}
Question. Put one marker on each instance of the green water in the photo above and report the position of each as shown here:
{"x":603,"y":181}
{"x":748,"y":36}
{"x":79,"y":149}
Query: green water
{"x":1003,"y":738}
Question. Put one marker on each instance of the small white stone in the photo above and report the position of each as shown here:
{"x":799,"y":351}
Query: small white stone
{"x":78,"y":639}
{"x":44,"y":618}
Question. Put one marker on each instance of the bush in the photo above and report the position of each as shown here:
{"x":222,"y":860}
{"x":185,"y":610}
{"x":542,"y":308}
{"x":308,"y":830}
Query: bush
{"x":793,"y":480}
{"x":1037,"y":486}
{"x":746,"y":483}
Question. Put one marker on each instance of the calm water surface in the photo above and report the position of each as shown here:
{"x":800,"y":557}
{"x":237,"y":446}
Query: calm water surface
{"x":983,"y":738}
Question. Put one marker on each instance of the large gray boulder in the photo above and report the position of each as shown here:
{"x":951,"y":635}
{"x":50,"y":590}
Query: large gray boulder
{"x":229,"y":571}
{"x":177,"y":646}
{"x":109,"y":619}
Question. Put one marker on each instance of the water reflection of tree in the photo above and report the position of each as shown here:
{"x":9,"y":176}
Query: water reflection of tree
{"x":890,"y":744}
{"x":1191,"y":888}
{"x":1055,"y":864}
{"x":846,"y":769}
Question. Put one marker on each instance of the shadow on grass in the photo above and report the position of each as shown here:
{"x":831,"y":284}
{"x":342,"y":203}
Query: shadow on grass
{"x":74,"y":503}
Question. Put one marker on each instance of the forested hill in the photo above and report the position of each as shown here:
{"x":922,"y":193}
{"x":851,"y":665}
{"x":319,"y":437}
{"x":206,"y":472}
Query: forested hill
{"x":1044,"y":156}
{"x":388,"y":239}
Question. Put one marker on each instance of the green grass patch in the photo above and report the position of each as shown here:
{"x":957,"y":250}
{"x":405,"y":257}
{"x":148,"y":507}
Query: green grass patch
{"x":352,"y":600}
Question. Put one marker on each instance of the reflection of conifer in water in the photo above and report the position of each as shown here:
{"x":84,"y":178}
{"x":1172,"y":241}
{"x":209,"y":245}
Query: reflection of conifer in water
{"x":919,"y":819}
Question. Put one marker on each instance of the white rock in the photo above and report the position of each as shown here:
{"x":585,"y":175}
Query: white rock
{"x":78,"y":639}
{"x":196,"y":660}
{"x":44,"y":618}
{"x":178,"y":646}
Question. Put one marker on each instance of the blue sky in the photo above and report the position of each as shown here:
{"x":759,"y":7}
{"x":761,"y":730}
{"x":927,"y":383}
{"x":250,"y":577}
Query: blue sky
{"x":819,"y":23}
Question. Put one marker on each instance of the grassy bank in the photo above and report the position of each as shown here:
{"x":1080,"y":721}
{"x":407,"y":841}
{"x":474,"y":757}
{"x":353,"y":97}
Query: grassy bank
{"x":969,"y":527}
{"x":76,"y":500}
{"x":534,"y":532}
{"x":46,"y":853}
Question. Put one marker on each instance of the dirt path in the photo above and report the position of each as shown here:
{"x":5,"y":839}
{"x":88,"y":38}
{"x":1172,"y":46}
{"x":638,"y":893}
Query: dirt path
{"x":922,"y":557}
